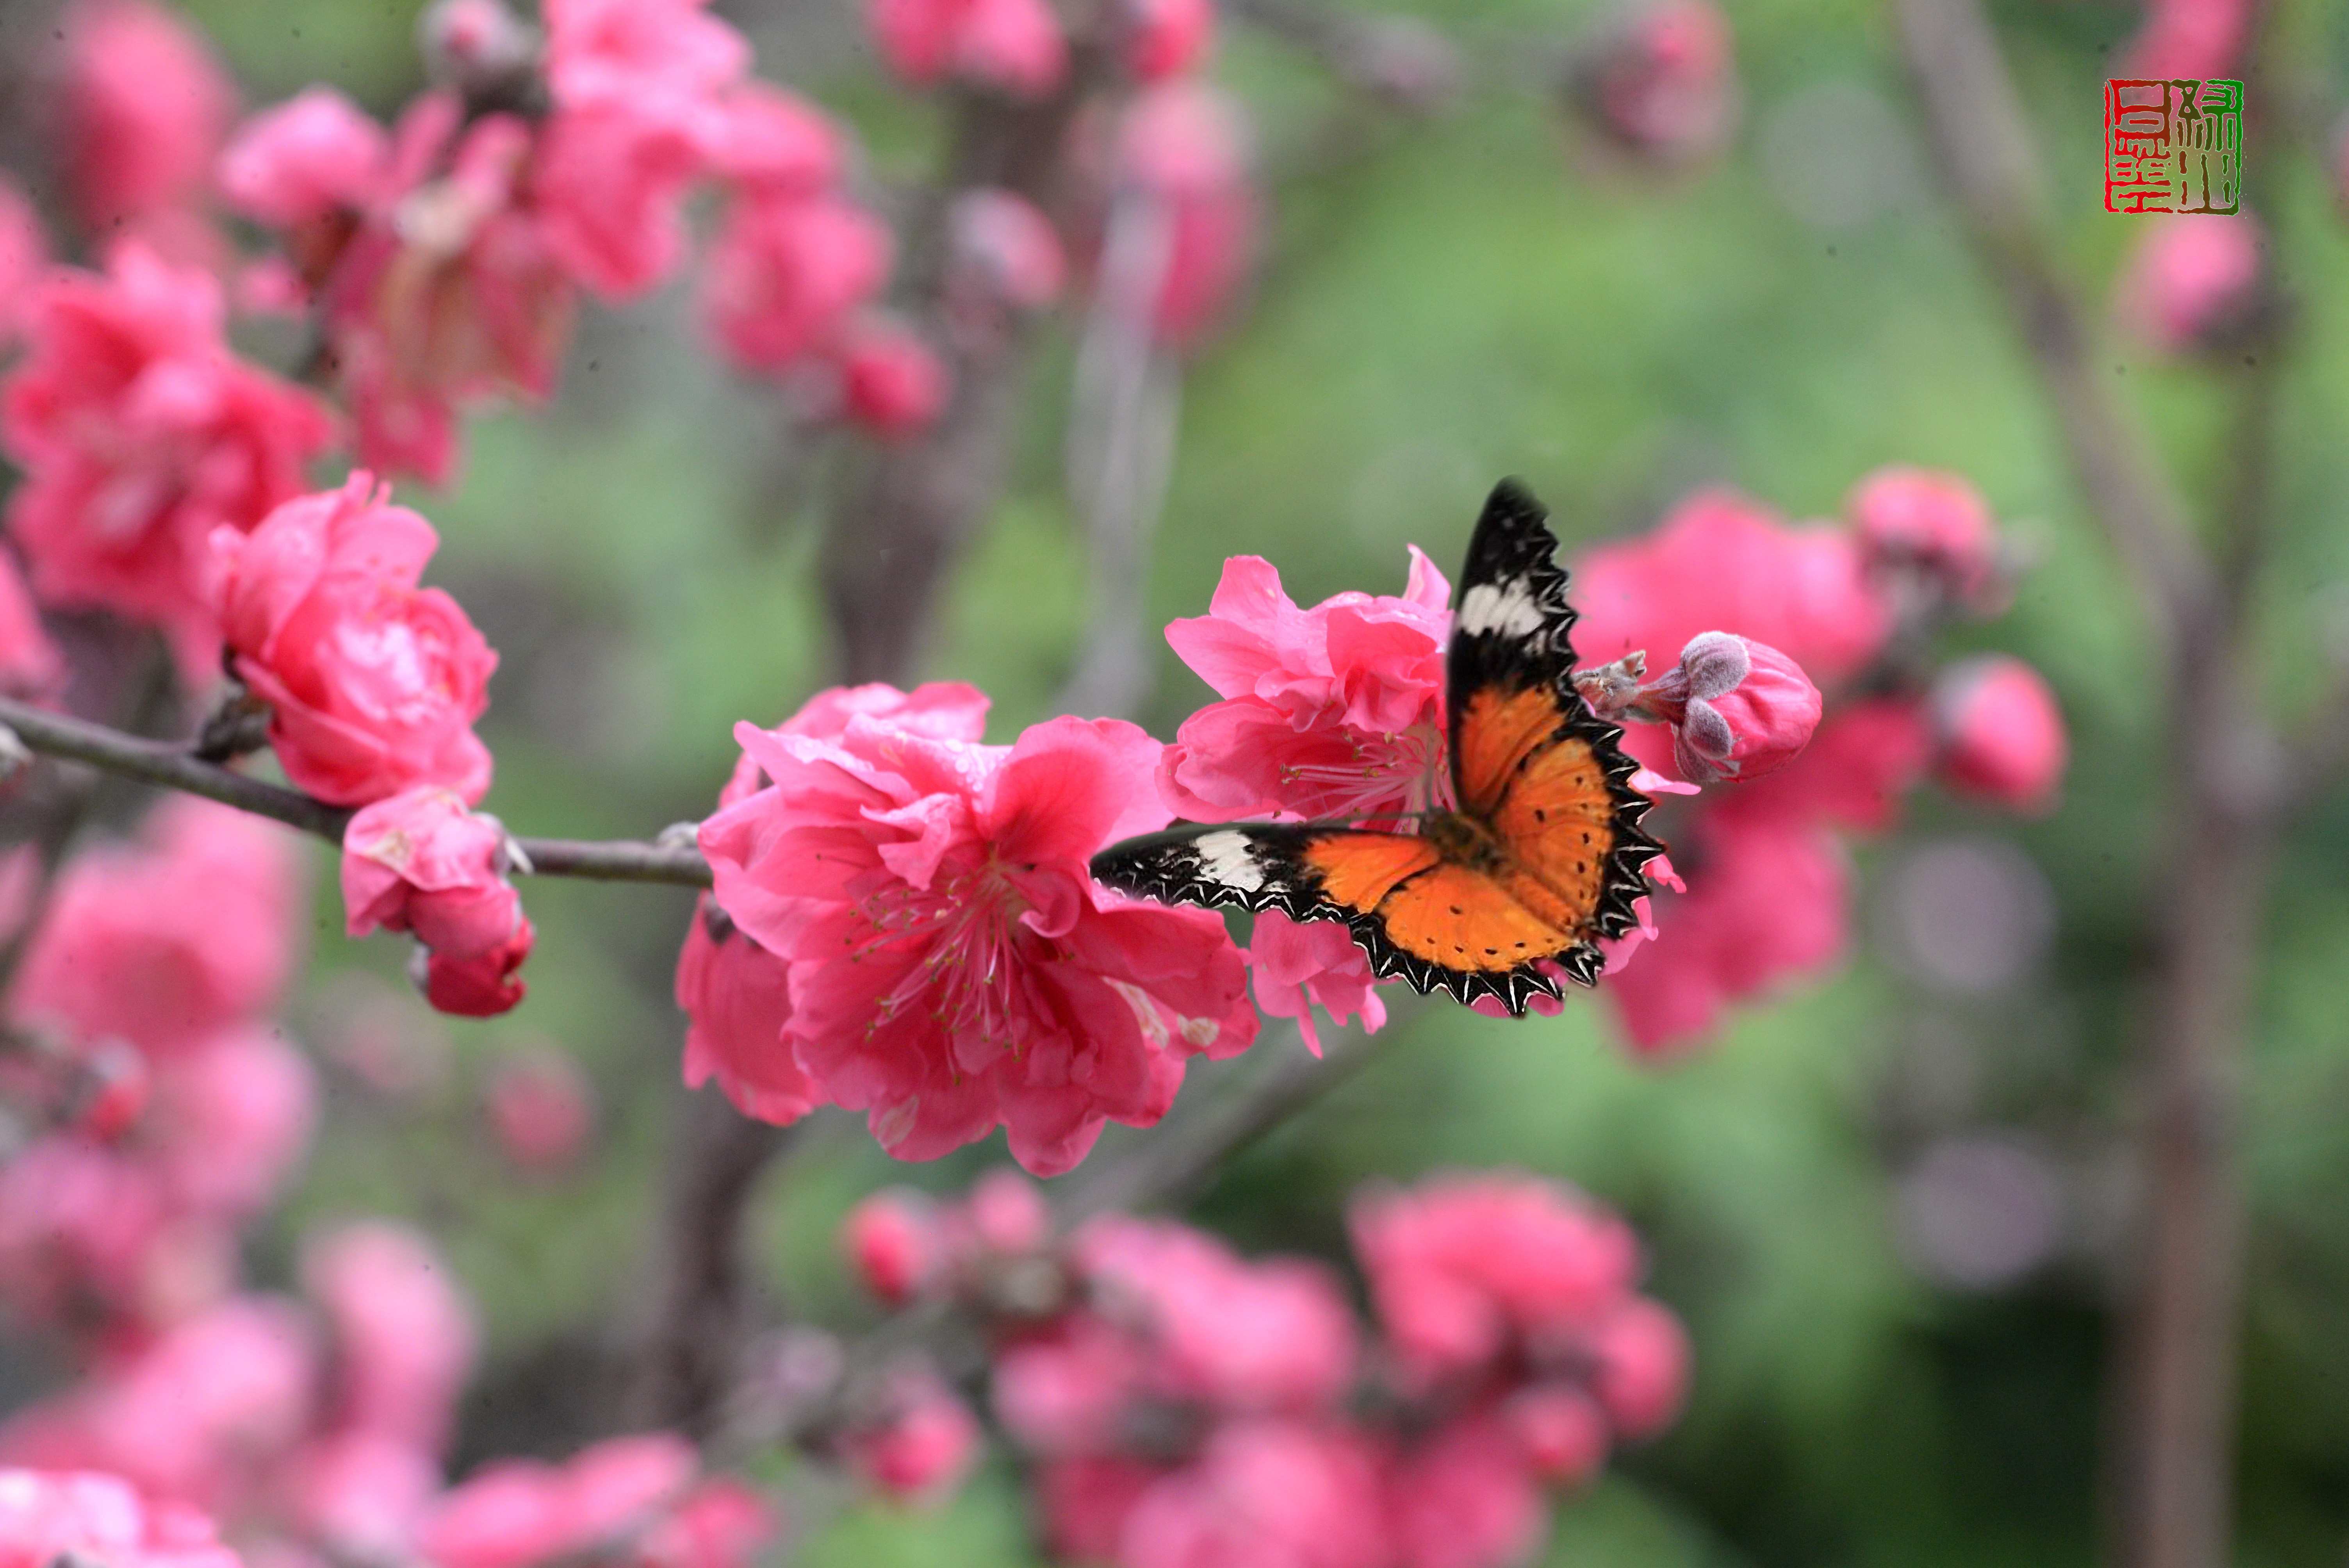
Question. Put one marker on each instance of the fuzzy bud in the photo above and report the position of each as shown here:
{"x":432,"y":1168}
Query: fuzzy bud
{"x":1738,"y":708}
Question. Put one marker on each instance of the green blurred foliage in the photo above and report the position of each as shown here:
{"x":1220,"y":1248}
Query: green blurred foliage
{"x":1443,"y":302}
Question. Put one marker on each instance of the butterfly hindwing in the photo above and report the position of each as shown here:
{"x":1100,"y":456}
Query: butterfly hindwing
{"x":1418,"y":918}
{"x":1544,"y":775}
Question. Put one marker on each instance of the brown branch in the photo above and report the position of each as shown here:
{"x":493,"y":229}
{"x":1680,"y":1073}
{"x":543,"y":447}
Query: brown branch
{"x":174,"y":766}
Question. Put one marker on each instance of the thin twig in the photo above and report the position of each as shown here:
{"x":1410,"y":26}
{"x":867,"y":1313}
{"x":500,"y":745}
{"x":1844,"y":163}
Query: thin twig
{"x":173,"y":766}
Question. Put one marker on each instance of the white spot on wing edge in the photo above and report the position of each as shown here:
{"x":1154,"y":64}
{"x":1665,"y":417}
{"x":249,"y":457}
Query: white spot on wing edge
{"x":1508,"y":608}
{"x":1227,"y":858}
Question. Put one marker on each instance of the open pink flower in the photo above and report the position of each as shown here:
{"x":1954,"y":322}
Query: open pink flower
{"x":311,"y":157}
{"x":737,"y":993}
{"x":165,"y":940}
{"x":1721,"y":561}
{"x":1999,"y":734}
{"x":1297,"y":965}
{"x":954,"y":967}
{"x":373,"y":683}
{"x":47,"y":1516}
{"x":145,"y":106}
{"x":404,"y":1332}
{"x":420,"y":862}
{"x":140,"y":434}
{"x":1334,"y":711}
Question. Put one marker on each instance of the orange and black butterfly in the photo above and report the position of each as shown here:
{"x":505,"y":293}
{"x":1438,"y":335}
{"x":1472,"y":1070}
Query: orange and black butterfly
{"x":1542,"y":855}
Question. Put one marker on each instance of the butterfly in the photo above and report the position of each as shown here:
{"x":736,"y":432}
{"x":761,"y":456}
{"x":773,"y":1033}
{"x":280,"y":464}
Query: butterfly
{"x":1540,"y":856}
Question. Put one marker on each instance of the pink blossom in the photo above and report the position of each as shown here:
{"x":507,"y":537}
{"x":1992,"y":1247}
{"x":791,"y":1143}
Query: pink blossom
{"x":736,"y":994}
{"x":451,"y":293}
{"x":164,"y":940}
{"x":893,"y":1244}
{"x":1165,"y":39}
{"x":1296,"y":965}
{"x":1765,"y":905}
{"x":1461,"y":1268}
{"x":784,"y":274}
{"x":541,"y":1108}
{"x":774,"y":143}
{"x":1084,"y":1503}
{"x":639,"y":94}
{"x":140,"y":434}
{"x":1331,"y":711}
{"x":952,"y":969}
{"x":1929,"y":522}
{"x":145,"y":106}
{"x":485,"y":985}
{"x":419,"y":862}
{"x":2196,"y":281}
{"x":77,"y":1222}
{"x":47,"y":1516}
{"x":1013,"y":45}
{"x":1865,"y":758}
{"x":30,"y":665}
{"x":1641,"y":1354}
{"x":721,"y":1524}
{"x":194,"y":1417}
{"x":1719,"y":561}
{"x":373,"y":683}
{"x":1269,"y":1335}
{"x":2195,"y":38}
{"x":232,"y":1116}
{"x":1003,"y":250}
{"x":1004,"y":1215}
{"x":1662,"y":84}
{"x":1735,"y":708}
{"x":1465,"y":1497}
{"x":1999,"y":734}
{"x":24,"y":258}
{"x":1183,"y":156}
{"x":1261,"y":1494}
{"x":403,"y":1328}
{"x":922,"y":1447}
{"x":315,"y":154}
{"x":891,"y":382}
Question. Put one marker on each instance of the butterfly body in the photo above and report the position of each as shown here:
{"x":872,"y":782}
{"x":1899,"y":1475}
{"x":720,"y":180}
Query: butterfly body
{"x":1540,"y":855}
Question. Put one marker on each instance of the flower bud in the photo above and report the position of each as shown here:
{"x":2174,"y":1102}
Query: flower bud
{"x":921,"y":1447}
{"x":1935,"y":524}
{"x":893,"y":1244}
{"x":479,"y":987}
{"x":1738,"y":708}
{"x":420,"y":863}
{"x":890,"y":382}
{"x":1999,"y":734}
{"x":2197,"y":284}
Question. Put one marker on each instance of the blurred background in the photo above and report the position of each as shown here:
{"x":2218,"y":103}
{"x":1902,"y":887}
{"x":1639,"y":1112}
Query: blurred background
{"x":1885,"y":1201}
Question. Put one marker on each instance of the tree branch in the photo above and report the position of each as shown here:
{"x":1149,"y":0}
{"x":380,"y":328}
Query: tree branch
{"x":172,"y":766}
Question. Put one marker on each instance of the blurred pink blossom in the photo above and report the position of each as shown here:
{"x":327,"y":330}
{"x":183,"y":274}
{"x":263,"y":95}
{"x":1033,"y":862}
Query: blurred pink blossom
{"x":893,"y":1242}
{"x":48,"y":1516}
{"x":315,"y":154}
{"x":784,"y":273}
{"x":1465,"y":1497}
{"x":145,"y":106}
{"x":541,"y":1108}
{"x":1934,"y":524}
{"x":140,"y":434}
{"x":1183,"y":169}
{"x":1165,"y":39}
{"x":23,"y":259}
{"x":231,"y":1117}
{"x":892,"y":383}
{"x":404,"y":1335}
{"x":2194,"y":38}
{"x":921,"y":1447}
{"x":2196,"y":281}
{"x":1999,"y":734}
{"x":1011,"y":45}
{"x":1659,"y":83}
{"x":1003,"y":251}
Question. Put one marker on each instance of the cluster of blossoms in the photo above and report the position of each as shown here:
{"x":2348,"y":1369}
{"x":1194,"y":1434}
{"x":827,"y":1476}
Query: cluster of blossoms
{"x":1177,"y":1403}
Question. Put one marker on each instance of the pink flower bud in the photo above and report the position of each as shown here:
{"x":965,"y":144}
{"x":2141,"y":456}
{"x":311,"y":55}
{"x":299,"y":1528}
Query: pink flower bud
{"x":1999,"y":732}
{"x":1166,"y":37}
{"x":894,"y":1243}
{"x":922,"y":1447}
{"x":1564,"y":1432}
{"x":721,"y":1524}
{"x":890,"y":381}
{"x":1642,"y":1357}
{"x":541,"y":1108}
{"x":1004,"y":250}
{"x":1738,"y":708}
{"x":144,"y":106}
{"x":1928,"y":521}
{"x":421,"y":863}
{"x":1005,"y":1214}
{"x":478,"y":987}
{"x":2197,"y":282}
